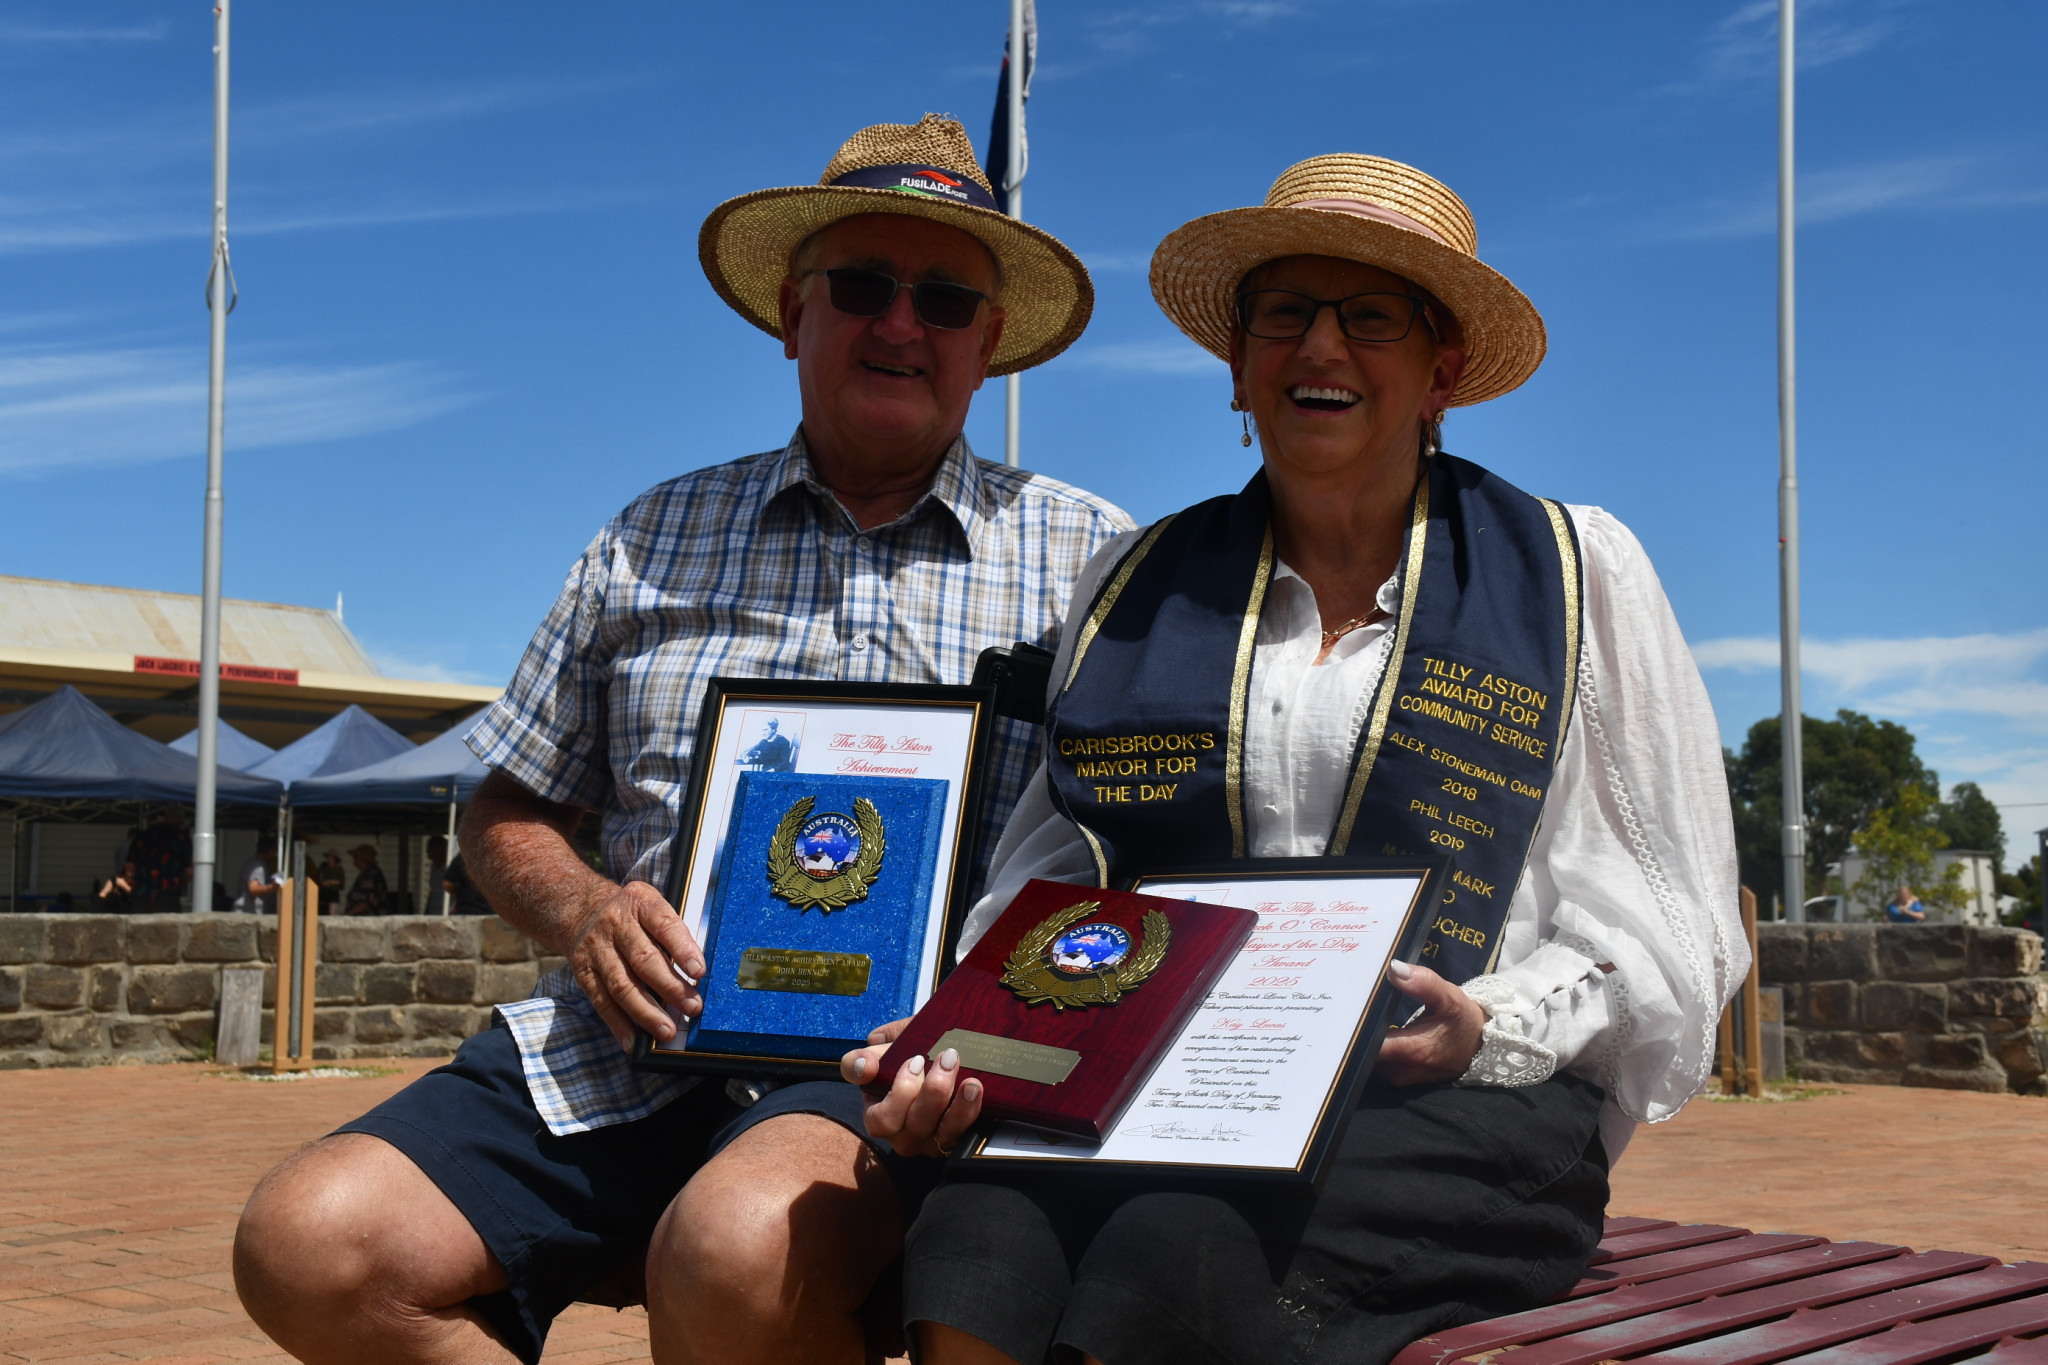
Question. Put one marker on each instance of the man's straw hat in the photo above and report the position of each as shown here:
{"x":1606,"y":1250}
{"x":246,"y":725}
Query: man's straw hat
{"x":924,"y":170}
{"x":1359,"y":208}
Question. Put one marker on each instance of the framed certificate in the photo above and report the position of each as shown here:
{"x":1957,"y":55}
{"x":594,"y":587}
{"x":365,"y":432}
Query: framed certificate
{"x":1262,"y":1080}
{"x":823,"y":862}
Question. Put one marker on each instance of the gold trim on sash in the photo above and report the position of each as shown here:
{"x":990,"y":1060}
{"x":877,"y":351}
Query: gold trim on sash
{"x":1108,"y":601}
{"x":1095,"y":847}
{"x":1568,"y":556}
{"x":1240,"y":684}
{"x":1390,"y":675}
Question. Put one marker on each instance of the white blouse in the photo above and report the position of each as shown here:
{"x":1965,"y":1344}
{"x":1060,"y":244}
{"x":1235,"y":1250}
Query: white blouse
{"x":1622,"y":941}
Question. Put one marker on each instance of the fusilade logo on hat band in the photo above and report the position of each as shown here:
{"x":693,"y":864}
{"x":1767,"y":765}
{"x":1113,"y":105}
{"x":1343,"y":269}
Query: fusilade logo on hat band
{"x":930,"y":181}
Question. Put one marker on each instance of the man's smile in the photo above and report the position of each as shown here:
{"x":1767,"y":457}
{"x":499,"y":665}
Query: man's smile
{"x":897,"y":371}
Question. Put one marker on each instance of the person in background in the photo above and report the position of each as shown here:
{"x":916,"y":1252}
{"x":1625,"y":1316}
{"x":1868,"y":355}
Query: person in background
{"x":161,"y":857}
{"x":437,"y":875}
{"x":1905,"y":907}
{"x":371,"y":895}
{"x":327,"y":875}
{"x":256,"y":883}
{"x":469,"y":900}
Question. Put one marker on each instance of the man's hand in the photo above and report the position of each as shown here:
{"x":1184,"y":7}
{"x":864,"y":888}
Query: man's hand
{"x":621,"y":955}
{"x":921,"y":1114}
{"x":1441,"y":1041}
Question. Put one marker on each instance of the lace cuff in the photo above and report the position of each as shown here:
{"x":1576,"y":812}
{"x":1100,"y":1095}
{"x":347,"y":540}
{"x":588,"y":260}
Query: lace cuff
{"x":1506,"y":1056}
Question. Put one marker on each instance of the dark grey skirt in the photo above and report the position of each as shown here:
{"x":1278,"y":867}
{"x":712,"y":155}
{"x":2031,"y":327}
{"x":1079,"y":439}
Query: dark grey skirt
{"x":1443,"y":1206}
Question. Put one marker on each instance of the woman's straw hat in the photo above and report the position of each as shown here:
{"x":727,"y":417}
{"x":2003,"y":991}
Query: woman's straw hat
{"x":1359,"y":208}
{"x":925,"y":170}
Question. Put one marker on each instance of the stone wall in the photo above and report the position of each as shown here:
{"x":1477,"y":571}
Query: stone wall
{"x":1952,"y":1006}
{"x":82,"y":989}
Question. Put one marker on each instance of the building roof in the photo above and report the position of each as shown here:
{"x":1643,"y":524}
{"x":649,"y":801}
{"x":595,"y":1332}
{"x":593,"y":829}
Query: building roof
{"x":43,"y":613}
{"x":285,"y":669}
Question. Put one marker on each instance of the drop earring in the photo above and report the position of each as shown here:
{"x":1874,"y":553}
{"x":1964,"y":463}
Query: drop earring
{"x":1432,"y":435}
{"x":1236,"y":406}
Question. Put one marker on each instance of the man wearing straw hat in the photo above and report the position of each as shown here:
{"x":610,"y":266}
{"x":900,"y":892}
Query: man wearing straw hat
{"x":454,"y":1221}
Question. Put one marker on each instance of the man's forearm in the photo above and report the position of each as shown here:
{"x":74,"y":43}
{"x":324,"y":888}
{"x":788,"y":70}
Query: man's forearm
{"x":516,"y":849}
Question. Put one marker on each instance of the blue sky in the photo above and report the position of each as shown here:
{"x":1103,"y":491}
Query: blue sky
{"x":472,"y":323}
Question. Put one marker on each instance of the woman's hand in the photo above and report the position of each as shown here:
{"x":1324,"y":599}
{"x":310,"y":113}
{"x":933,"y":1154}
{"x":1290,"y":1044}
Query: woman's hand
{"x":921,"y":1114}
{"x":1439,"y":1044}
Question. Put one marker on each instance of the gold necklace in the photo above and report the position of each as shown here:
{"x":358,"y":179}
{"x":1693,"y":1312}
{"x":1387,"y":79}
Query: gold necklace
{"x":1344,"y":628}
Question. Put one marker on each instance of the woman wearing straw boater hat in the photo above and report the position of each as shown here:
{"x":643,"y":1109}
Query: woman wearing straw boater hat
{"x":455,"y":1220}
{"x":1406,"y":654}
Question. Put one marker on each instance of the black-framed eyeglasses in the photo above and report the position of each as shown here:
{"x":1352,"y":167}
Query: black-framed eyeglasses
{"x":868,"y":294}
{"x":1284,"y":315}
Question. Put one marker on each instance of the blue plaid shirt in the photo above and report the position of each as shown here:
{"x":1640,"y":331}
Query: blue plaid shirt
{"x":753,"y":569}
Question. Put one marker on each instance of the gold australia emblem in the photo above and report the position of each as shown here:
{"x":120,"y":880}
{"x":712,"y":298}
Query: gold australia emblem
{"x":1073,"y":964}
{"x":825,"y":861}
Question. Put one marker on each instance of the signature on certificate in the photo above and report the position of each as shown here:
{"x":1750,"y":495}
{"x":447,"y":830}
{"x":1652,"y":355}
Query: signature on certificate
{"x":1189,"y":1132}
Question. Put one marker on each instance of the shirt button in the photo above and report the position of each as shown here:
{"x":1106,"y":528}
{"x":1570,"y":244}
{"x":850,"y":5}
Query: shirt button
{"x":863,"y":543}
{"x":1277,"y":706}
{"x":859,"y":642}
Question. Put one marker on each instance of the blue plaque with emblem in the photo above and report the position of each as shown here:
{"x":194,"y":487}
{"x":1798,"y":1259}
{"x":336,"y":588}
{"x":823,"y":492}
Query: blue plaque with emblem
{"x":815,"y":929}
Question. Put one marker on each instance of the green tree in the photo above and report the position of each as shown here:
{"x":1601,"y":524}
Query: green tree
{"x":1970,"y":820}
{"x":1854,"y":767}
{"x":2023,"y":883}
{"x":1898,"y":844}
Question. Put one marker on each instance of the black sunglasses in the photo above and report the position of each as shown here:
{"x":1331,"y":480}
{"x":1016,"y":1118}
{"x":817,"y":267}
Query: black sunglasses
{"x":868,"y":294}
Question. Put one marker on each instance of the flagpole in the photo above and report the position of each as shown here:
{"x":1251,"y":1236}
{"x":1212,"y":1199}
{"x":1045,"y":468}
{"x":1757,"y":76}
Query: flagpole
{"x":219,"y":300}
{"x":1791,"y":725}
{"x":1013,"y":188}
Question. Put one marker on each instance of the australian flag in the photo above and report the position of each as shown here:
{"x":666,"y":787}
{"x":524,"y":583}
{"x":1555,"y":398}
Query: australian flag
{"x":999,"y":127}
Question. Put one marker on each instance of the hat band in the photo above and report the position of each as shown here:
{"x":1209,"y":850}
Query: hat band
{"x":1364,"y":209}
{"x":932,"y":182}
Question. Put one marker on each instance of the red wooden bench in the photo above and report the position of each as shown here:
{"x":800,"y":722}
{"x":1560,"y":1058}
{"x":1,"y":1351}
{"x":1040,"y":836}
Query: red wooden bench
{"x":1703,"y":1294}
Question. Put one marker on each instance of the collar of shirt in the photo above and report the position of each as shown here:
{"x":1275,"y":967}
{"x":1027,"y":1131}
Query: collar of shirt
{"x":956,"y":491}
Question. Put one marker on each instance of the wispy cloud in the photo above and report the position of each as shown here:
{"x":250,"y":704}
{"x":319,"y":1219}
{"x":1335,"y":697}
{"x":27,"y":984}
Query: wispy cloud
{"x":1168,"y":357}
{"x":67,"y":409}
{"x":1743,"y":46}
{"x":1107,"y":35}
{"x":404,"y":664}
{"x":1982,"y":675}
{"x":86,"y":185}
{"x":31,"y":226}
{"x":85,"y":33}
{"x":360,"y":111}
{"x":1947,"y":181}
{"x":1978,"y":704}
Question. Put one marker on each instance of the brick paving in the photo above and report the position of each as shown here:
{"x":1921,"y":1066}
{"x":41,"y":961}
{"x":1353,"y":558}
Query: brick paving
{"x":119,"y":1189}
{"x":1948,"y":1169}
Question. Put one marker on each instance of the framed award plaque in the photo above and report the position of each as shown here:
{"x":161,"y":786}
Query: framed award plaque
{"x":1260,"y":1082}
{"x":823,"y":860}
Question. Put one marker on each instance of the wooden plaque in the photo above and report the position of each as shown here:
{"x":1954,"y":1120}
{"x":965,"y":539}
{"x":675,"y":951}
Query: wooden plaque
{"x":1067,"y":1002}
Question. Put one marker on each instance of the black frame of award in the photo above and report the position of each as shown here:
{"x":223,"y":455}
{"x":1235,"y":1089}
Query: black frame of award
{"x":1342,"y":1099}
{"x":720,"y":695}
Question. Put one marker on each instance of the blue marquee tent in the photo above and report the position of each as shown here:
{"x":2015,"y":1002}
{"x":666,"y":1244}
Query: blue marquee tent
{"x":354,"y":739}
{"x":441,"y":771}
{"x":237,"y":750}
{"x":64,"y":748}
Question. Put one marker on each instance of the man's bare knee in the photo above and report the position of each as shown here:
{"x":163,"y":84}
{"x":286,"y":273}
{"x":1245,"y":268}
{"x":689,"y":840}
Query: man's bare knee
{"x":349,"y":1229}
{"x":797,"y":1205}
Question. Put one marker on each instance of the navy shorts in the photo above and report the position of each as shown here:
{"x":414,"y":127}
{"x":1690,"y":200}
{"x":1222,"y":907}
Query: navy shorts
{"x":560,"y":1213}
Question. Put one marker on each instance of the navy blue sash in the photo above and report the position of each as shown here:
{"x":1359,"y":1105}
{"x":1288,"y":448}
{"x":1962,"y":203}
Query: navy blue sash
{"x":1145,"y":741}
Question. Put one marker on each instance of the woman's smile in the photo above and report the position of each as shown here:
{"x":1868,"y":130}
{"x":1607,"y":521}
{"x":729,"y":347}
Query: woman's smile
{"x":1313,"y":399}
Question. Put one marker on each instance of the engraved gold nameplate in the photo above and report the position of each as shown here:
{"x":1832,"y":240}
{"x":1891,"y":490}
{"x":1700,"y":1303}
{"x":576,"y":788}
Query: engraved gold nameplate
{"x":807,"y":973}
{"x":1009,"y":1056}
